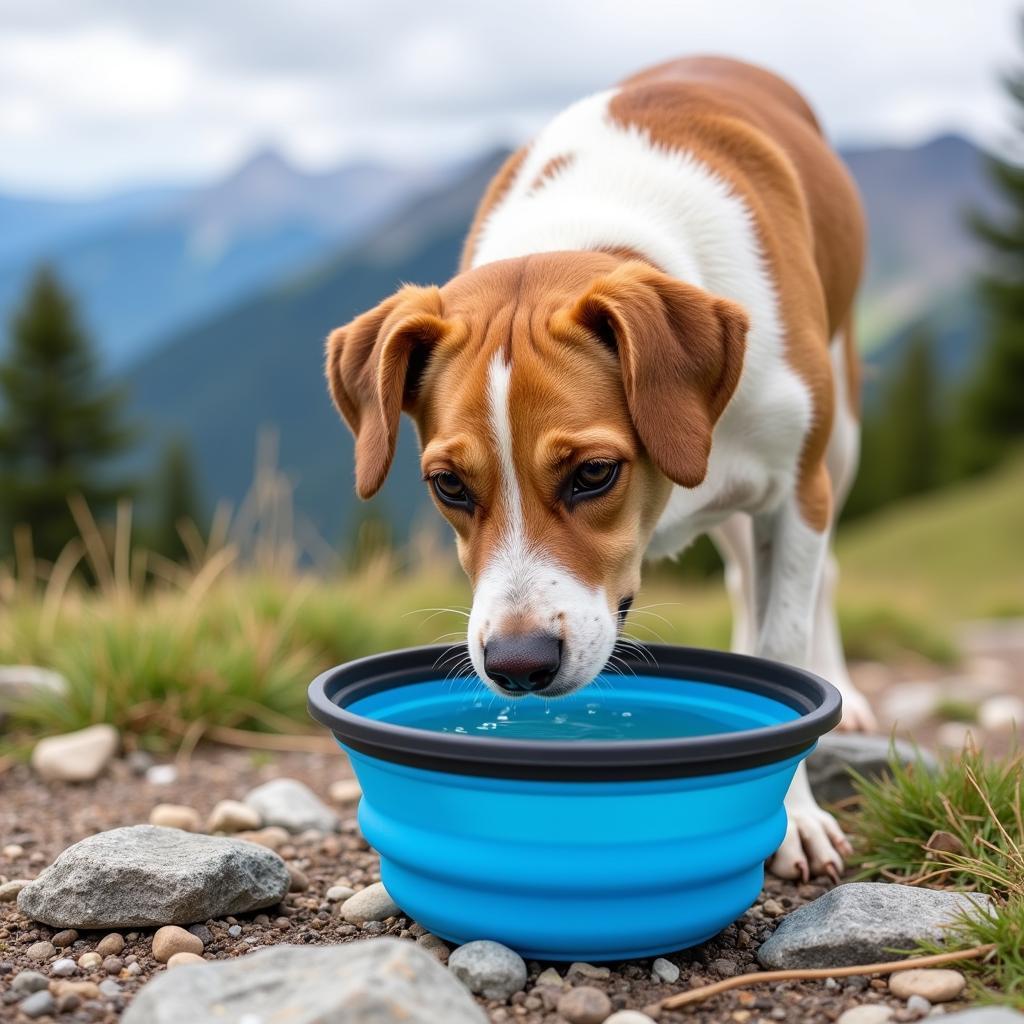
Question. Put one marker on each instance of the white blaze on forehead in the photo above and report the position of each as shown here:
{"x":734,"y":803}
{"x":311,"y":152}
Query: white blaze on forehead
{"x":522,"y":577}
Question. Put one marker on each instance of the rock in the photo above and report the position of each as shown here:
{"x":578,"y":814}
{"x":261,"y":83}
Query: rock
{"x":139,"y":762}
{"x":66,"y":938}
{"x":110,"y":945}
{"x":292,"y":805}
{"x":872,"y":1013}
{"x":20,"y":683}
{"x":955,"y":735}
{"x":549,"y":976}
{"x":488,"y":969}
{"x":936,"y":985}
{"x":113,"y":964}
{"x":665,"y":971}
{"x":175,"y":816}
{"x":201,"y":932}
{"x":919,"y":1006}
{"x":233,"y":816}
{"x":628,"y":1017}
{"x":109,"y":988}
{"x":161,"y":775}
{"x":1002,"y":714}
{"x":142,"y":875}
{"x":339,"y":893}
{"x":171,"y":939}
{"x":90,"y":961}
{"x":184,"y":958}
{"x":40,"y":950}
{"x":9,"y":890}
{"x":82,"y":989}
{"x":63,"y":968}
{"x":345,"y":791}
{"x":585,"y":1005}
{"x":436,"y":947}
{"x":76,"y":756}
{"x":772,"y":908}
{"x":26,"y":982}
{"x":298,"y":882}
{"x":273,"y":837}
{"x":383,"y":981}
{"x":860,"y":923}
{"x":370,"y":904}
{"x":586,"y":970}
{"x":39,"y":1004}
{"x":234,"y":931}
{"x":828,"y":766}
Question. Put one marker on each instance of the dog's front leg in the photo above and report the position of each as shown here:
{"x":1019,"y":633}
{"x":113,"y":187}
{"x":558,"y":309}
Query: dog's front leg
{"x":789,"y":562}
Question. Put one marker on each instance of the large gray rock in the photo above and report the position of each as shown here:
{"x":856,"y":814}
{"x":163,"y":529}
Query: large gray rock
{"x":379,"y":981}
{"x":291,"y":805}
{"x":828,"y":767}
{"x":861,"y":923}
{"x":144,"y":875}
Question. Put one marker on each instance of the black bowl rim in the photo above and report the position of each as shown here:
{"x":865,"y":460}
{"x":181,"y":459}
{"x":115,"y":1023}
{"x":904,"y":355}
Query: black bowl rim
{"x":818,"y":702}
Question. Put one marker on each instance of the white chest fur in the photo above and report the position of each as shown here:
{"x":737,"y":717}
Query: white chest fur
{"x":612,"y":186}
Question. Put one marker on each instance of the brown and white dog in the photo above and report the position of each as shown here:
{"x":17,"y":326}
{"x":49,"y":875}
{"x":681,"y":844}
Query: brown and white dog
{"x":649,"y":339}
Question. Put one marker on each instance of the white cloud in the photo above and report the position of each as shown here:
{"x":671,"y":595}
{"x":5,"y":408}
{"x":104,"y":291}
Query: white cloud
{"x":104,"y":92}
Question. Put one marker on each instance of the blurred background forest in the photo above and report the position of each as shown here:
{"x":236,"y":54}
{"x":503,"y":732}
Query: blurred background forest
{"x":171,"y":466}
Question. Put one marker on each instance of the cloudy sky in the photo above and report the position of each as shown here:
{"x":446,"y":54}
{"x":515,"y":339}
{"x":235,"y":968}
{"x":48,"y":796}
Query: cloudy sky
{"x":98,"y":94}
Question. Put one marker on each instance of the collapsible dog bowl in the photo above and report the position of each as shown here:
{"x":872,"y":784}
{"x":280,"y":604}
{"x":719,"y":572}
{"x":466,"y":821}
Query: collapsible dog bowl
{"x":576,"y":848}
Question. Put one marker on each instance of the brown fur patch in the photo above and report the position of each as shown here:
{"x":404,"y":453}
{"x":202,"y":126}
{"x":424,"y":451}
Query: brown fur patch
{"x":551,"y":169}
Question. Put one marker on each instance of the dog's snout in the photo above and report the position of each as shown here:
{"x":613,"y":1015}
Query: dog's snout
{"x":526,"y":663}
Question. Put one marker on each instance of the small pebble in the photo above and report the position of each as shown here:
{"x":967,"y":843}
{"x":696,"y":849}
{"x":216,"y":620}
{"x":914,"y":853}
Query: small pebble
{"x":133,"y":969}
{"x":175,"y":816}
{"x":488,"y":969}
{"x":12,"y":851}
{"x":629,"y":1017}
{"x":184,"y":959}
{"x":586,"y":970}
{"x":40,"y":950}
{"x":337,"y":893}
{"x":63,"y":968}
{"x":171,"y":939}
{"x":68,"y":1002}
{"x":39,"y":1004}
{"x":665,"y":971}
{"x":772,"y":908}
{"x":162,"y":775}
{"x":370,"y":904}
{"x":585,"y":1005}
{"x":549,"y":976}
{"x":9,"y":890}
{"x":113,"y":964}
{"x":297,"y":880}
{"x":235,"y":930}
{"x":867,"y":1014}
{"x":66,"y":938}
{"x":89,"y":961}
{"x":345,"y":791}
{"x":110,"y":945}
{"x":918,"y":1006}
{"x":233,"y":816}
{"x":82,"y":989}
{"x":108,"y":987}
{"x":937,"y":985}
{"x":26,"y":982}
{"x":202,"y":933}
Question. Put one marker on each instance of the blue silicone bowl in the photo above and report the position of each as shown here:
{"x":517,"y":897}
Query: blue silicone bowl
{"x":577,"y":849}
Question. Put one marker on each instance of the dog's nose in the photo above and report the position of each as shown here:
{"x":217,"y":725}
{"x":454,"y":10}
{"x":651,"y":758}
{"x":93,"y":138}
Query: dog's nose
{"x":523,"y":664}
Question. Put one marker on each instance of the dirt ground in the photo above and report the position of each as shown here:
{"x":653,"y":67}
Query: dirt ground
{"x":37,"y":821}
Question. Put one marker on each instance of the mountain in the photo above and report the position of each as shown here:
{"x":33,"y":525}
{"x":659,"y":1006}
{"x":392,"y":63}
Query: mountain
{"x":259,"y":364}
{"x":146,"y":265}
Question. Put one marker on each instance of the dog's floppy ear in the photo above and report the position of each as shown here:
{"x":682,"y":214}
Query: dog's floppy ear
{"x":681,"y":351}
{"x":373,"y":369}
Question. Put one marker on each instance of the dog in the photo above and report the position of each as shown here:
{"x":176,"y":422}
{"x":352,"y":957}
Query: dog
{"x":649,"y":338}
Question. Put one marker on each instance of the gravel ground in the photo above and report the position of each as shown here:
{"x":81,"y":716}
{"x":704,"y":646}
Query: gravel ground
{"x":38,"y":820}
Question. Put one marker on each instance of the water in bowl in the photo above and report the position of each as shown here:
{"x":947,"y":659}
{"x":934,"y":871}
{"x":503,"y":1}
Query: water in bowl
{"x":644,"y":708}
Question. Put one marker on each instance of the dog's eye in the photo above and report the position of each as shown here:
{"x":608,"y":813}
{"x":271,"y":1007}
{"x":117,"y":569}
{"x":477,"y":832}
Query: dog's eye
{"x":594,"y":478}
{"x":451,"y":490}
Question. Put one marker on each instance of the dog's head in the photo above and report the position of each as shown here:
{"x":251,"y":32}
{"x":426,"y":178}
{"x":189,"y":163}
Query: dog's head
{"x":557,"y":398}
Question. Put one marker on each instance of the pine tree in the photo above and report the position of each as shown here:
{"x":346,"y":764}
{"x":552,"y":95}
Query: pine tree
{"x":176,"y":500}
{"x":994,"y":399}
{"x":59,"y":422}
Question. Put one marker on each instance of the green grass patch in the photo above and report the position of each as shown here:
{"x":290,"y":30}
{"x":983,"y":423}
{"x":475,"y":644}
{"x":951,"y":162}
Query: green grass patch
{"x":960,"y":826}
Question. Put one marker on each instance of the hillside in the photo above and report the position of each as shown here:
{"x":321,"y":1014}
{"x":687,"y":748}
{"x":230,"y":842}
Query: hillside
{"x":259,"y":364}
{"x":145,"y":266}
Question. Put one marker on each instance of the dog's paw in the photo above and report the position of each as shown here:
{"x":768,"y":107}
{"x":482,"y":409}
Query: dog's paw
{"x":814,"y":845}
{"x":857,"y":713}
